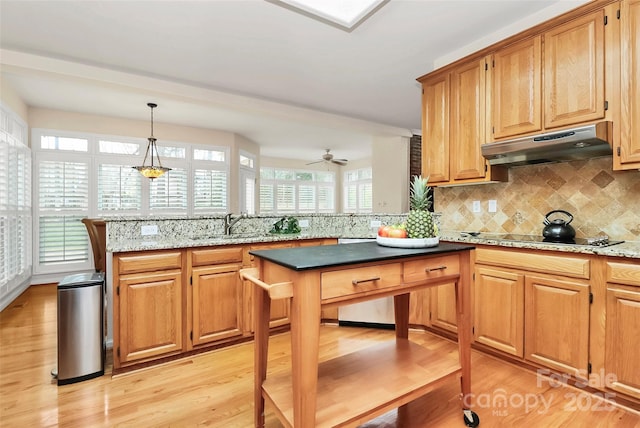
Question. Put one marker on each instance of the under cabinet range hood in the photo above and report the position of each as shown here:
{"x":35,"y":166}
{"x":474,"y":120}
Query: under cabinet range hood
{"x":582,"y":142}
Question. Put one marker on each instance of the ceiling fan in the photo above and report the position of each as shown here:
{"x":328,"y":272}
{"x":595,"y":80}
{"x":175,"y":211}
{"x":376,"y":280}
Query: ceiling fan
{"x":328,"y":157}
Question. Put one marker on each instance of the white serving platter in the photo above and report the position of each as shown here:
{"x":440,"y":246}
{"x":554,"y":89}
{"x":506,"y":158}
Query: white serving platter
{"x":407,"y":242}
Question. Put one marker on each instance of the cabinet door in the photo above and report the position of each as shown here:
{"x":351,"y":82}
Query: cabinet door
{"x":622,"y":343}
{"x":574,"y":71}
{"x":499,"y":310}
{"x":419,"y":307}
{"x":557,"y":324}
{"x":435,"y":128}
{"x":467,"y":129}
{"x":217,"y":303}
{"x":150,"y":315}
{"x":443,"y":307}
{"x":629,"y":155}
{"x":516,"y":89}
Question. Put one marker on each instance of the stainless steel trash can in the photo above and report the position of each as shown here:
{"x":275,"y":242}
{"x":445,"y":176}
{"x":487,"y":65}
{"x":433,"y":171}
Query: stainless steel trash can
{"x":81,"y":341}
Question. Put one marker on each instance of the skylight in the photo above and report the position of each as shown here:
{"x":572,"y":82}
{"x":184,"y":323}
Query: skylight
{"x":340,"y":13}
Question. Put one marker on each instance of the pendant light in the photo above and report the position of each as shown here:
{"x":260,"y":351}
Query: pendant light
{"x":152,"y":170}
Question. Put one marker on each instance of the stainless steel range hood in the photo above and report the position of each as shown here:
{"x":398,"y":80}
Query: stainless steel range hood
{"x":582,"y":142}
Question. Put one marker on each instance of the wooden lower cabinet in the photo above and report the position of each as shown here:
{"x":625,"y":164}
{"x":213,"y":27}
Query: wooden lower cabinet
{"x":442,"y":307}
{"x":168,"y":302}
{"x":148,"y":306}
{"x":150,"y":316}
{"x":534,"y":305}
{"x":499,"y":310}
{"x":622,"y":329}
{"x":557,"y":324}
{"x":215,"y":295}
{"x":217,"y":303}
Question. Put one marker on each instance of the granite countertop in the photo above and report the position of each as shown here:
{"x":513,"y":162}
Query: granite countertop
{"x":629,"y":249}
{"x":163,"y":243}
{"x":306,"y":258}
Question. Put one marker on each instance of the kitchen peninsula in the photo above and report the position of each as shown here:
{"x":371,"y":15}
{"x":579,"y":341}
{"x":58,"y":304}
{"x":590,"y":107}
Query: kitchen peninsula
{"x":373,"y":381}
{"x":202,"y":304}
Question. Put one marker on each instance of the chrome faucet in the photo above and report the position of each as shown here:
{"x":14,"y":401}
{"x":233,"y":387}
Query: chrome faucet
{"x":228,"y":222}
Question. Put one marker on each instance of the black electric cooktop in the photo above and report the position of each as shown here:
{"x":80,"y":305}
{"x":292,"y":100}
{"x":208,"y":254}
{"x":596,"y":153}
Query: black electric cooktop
{"x":594,"y":242}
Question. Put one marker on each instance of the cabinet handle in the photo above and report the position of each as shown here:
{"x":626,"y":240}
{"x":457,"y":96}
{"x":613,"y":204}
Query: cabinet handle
{"x":358,"y":281}
{"x":443,"y":267}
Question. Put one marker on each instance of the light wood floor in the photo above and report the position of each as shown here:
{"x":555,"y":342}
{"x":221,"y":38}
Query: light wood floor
{"x":216,"y":388}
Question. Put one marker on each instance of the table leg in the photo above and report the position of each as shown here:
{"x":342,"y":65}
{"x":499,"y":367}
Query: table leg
{"x":262,"y":310}
{"x":305,"y":344}
{"x":463,"y":312}
{"x":401,"y":313}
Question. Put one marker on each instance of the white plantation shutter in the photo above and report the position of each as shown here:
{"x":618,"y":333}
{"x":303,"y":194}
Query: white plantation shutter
{"x":169,"y":191}
{"x":350,"y":198}
{"x":210,"y":190}
{"x":63,"y":239}
{"x":365,"y":192}
{"x":119,"y":188}
{"x":288,"y":191}
{"x":63,"y":185}
{"x":15,"y":203}
{"x":306,"y":198}
{"x":358,"y":191}
{"x":285,"y":198}
{"x":248,"y":193}
{"x":267,"y":198}
{"x":63,"y":202}
{"x":326,"y":199}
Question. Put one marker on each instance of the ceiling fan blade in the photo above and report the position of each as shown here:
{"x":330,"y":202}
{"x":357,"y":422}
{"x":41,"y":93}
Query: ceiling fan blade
{"x":318,"y":161}
{"x":341,"y":162}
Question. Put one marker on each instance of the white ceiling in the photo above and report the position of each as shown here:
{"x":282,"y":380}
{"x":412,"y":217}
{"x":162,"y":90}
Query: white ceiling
{"x":292,"y":84}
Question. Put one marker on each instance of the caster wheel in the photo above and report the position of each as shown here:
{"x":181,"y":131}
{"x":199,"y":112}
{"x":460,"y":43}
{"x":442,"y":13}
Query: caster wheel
{"x":471,"y":419}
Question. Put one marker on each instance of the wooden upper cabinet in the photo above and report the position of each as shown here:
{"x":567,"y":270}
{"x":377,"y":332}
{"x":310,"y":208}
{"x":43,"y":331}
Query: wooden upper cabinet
{"x":574,"y":71}
{"x":467,"y":130}
{"x":516,"y":89}
{"x":629,"y":149}
{"x":435,"y":128}
{"x":454,"y":126}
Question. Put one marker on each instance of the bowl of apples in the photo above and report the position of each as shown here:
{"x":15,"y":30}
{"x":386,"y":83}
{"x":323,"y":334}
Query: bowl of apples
{"x":396,"y":236}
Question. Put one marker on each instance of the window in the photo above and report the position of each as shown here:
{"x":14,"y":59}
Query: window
{"x":84,"y":175}
{"x":15,"y":203}
{"x":358,"y":191}
{"x":247,"y":181}
{"x":285,"y":191}
{"x":63,"y":200}
{"x":210,"y":180}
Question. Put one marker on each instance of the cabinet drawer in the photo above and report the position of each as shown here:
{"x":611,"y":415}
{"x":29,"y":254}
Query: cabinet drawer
{"x":360,"y":280}
{"x":433,"y":268}
{"x":533,"y":260}
{"x":213,"y":256}
{"x":149,"y":262}
{"x":623,"y":273}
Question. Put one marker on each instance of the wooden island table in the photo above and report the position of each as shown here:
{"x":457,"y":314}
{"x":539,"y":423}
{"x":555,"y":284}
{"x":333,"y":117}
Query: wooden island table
{"x":354,"y":388}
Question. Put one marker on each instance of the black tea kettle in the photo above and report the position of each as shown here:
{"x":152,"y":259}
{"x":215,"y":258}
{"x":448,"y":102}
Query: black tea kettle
{"x":558,"y":230}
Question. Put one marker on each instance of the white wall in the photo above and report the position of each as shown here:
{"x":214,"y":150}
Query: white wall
{"x":390,"y":164}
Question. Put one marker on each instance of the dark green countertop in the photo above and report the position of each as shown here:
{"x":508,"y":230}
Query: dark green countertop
{"x":306,"y":258}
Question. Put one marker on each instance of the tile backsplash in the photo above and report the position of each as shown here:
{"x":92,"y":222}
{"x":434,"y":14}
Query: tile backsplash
{"x":600,"y":200}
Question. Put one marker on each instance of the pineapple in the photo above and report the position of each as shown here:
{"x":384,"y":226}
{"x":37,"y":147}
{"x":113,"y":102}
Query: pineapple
{"x":420,"y":221}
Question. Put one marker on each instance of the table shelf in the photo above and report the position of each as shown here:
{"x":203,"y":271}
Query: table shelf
{"x":362,"y":385}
